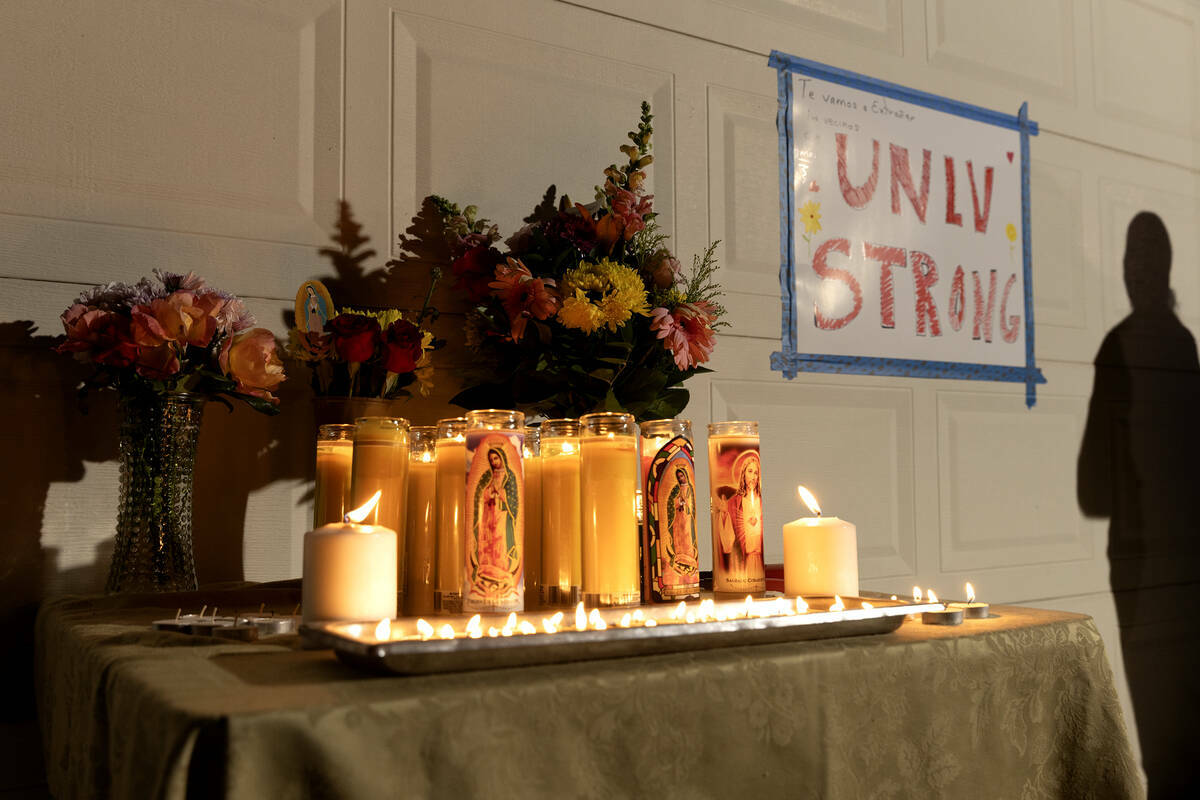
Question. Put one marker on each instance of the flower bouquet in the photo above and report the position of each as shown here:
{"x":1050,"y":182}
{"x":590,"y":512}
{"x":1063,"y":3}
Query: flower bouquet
{"x":586,"y":309}
{"x":167,"y":344}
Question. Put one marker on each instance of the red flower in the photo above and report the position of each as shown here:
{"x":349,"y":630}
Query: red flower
{"x":523,"y":296}
{"x":354,"y":336}
{"x":104,"y":336}
{"x":474,"y":269}
{"x":403,"y":340}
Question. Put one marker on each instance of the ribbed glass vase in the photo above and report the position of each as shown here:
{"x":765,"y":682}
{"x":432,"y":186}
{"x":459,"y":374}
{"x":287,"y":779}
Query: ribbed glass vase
{"x":158,"y":438}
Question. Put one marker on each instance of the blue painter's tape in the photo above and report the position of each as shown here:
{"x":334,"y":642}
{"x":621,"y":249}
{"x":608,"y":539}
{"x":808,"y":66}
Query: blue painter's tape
{"x":790,"y":362}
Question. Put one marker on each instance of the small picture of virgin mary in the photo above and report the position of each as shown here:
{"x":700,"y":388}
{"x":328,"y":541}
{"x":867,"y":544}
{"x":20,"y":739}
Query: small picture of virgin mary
{"x":495,"y":554}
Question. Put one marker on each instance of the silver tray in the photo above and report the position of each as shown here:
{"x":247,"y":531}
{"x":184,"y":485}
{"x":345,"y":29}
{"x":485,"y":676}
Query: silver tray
{"x":405,"y":652}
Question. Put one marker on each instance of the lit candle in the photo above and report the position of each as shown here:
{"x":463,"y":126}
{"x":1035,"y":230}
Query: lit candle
{"x":532,"y":463}
{"x":971,"y":609}
{"x":451,"y":466}
{"x":820,"y":554}
{"x":494,"y":532}
{"x":562,"y":560}
{"x":421,"y":525}
{"x":735,"y":485}
{"x":381,"y":465}
{"x":331,"y":495}
{"x":941,"y":616}
{"x":350,"y":569}
{"x":608,"y":505}
{"x":670,"y":555}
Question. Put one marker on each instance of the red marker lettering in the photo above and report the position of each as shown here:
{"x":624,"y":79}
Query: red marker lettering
{"x":902,"y":178}
{"x":856,"y":196}
{"x":925,"y":275}
{"x":981,"y":221}
{"x":1009,"y":326}
{"x":887,"y":257}
{"x":832,"y":273}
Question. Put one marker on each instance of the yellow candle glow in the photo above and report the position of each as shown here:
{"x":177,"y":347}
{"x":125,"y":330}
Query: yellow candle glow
{"x":331,"y":495}
{"x":533,"y":517}
{"x":820,"y":554}
{"x":421,"y":527}
{"x":609,"y":525}
{"x":562,"y":560}
{"x":349,"y":570}
{"x":381,"y":465}
{"x":451,"y":468}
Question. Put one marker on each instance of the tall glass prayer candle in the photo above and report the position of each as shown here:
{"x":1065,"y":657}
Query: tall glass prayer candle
{"x":335,"y":451}
{"x":670,"y":552}
{"x":421,"y":526}
{"x":381,"y":464}
{"x":735,"y":500}
{"x":608,"y":477}
{"x":532,"y":463}
{"x":493,"y":577}
{"x":451,"y":513}
{"x":562,"y":561}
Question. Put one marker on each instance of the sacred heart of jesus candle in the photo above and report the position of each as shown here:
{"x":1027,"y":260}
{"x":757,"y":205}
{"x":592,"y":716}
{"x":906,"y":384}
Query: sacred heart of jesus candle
{"x":350,"y":570}
{"x":820,"y":554}
{"x":670,"y":555}
{"x":493,"y":576}
{"x":608,"y":478}
{"x":735,"y":500}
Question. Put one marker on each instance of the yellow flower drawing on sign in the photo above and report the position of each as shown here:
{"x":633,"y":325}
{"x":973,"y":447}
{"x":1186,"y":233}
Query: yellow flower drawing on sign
{"x":810,"y":215}
{"x":1010,"y":231}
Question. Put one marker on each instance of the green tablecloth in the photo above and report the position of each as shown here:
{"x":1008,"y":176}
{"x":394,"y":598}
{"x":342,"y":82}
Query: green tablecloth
{"x":1018,"y":706}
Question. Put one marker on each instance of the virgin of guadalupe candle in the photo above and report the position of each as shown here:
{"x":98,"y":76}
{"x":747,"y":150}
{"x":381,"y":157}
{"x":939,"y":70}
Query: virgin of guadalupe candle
{"x":381,"y":465}
{"x":451,"y":468}
{"x":735,"y":501}
{"x":532,"y":463}
{"x":608,"y":478}
{"x":670,"y":554}
{"x":331,"y":496}
{"x":493,"y":577}
{"x":421,"y":525}
{"x":562,"y":560}
{"x":349,"y":571}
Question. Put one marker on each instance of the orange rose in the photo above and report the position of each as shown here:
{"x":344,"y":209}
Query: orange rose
{"x":250,"y":359}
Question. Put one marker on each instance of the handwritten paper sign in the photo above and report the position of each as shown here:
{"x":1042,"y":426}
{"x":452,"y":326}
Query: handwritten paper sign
{"x":904,"y":231}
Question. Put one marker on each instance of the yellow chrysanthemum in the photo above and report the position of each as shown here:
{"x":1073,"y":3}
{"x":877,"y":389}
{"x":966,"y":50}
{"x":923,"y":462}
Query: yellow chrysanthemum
{"x":810,"y":215}
{"x":599,"y":295}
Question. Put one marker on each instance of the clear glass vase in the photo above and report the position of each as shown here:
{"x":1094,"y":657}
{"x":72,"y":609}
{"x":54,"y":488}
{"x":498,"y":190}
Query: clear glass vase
{"x":158,"y":438}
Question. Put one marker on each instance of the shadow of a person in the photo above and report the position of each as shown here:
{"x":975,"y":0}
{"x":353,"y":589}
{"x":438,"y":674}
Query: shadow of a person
{"x":1138,"y":466}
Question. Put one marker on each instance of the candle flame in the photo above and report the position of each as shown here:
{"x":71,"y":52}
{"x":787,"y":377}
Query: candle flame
{"x":894,"y":597}
{"x":809,"y":500}
{"x":597,"y":621}
{"x":801,"y":606}
{"x":970,"y":593}
{"x":510,"y":624}
{"x":708,"y":610}
{"x":650,"y":623}
{"x":680,"y":610}
{"x":446,"y":631}
{"x":360,"y":513}
{"x":916,"y":594}
{"x":426,"y":457}
{"x":568,"y":448}
{"x":749,"y":606}
{"x":867,"y":605}
{"x":383,"y":631}
{"x":526,"y":627}
{"x":474,"y":627}
{"x":626,"y":621}
{"x":425,"y":629}
{"x":933,"y":597}
{"x":580,"y":618}
{"x":638,"y":616}
{"x":354,"y":630}
{"x":493,"y":632}
{"x":838,"y":604}
{"x":548,"y":626}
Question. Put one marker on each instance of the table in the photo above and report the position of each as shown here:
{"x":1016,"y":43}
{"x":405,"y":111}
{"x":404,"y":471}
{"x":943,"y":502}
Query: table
{"x":1018,"y":706}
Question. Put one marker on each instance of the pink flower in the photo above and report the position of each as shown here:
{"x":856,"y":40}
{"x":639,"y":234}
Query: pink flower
{"x":179,"y":317}
{"x":523,"y":296}
{"x":250,"y":359}
{"x":103,"y":336}
{"x":686,"y":332}
{"x":630,"y":209}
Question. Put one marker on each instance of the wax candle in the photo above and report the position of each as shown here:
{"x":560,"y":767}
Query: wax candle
{"x":820,"y":554}
{"x":972,"y":609}
{"x":420,"y":533}
{"x":533,"y":515}
{"x":451,"y":466}
{"x":670,"y":555}
{"x":609,"y":526}
{"x":562,"y":560}
{"x":735,"y":501}
{"x":331,"y":495}
{"x":350,"y":570}
{"x":494,"y":534}
{"x":381,"y":465}
{"x":941,"y":616}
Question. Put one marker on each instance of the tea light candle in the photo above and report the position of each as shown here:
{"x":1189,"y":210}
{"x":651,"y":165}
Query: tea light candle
{"x":350,"y":570}
{"x":268,"y":625}
{"x":820,"y":554}
{"x":971,"y":609}
{"x":942,"y":616}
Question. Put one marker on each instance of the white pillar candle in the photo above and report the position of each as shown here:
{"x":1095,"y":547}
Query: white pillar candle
{"x":349,"y":571}
{"x":820,"y":555}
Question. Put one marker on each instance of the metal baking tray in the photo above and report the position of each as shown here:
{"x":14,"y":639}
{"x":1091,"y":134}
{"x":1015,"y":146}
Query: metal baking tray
{"x":402,"y":650}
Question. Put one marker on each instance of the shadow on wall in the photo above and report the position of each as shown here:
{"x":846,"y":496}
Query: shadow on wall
{"x":1139,"y":465}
